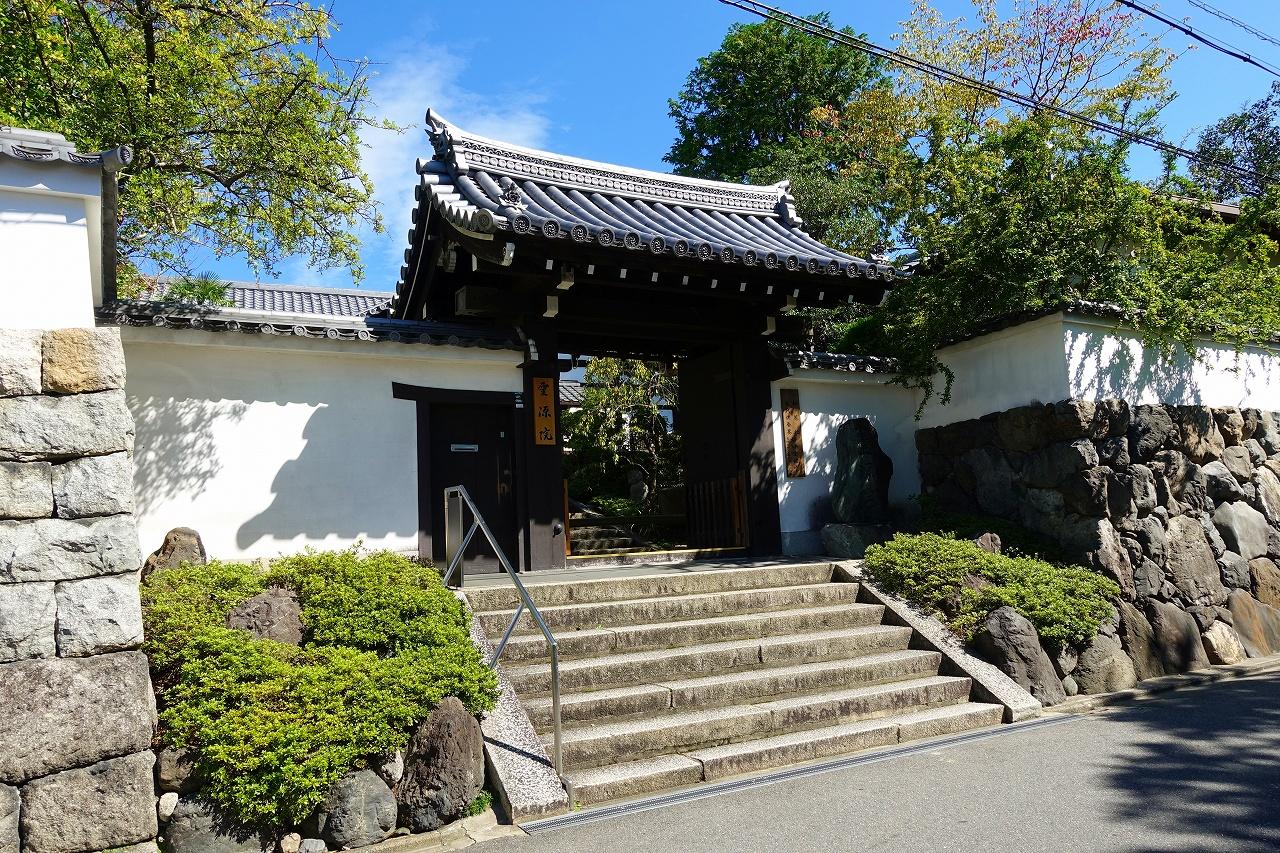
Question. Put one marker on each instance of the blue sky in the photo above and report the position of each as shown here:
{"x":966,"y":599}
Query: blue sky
{"x":591,"y":78}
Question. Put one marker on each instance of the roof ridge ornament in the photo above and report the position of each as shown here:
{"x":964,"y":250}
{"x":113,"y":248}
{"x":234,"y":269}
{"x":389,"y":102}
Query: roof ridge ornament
{"x":787,"y":204}
{"x":511,"y":195}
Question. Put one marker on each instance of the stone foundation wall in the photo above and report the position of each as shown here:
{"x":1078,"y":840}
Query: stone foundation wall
{"x":76,"y":708}
{"x":1180,"y":505}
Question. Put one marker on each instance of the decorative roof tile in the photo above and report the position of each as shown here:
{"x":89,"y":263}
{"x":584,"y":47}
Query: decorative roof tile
{"x":809,"y":360}
{"x":39,"y":146}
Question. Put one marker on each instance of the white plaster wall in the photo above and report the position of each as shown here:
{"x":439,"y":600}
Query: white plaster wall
{"x":1104,"y":361}
{"x":1005,"y":369}
{"x":267,"y":445}
{"x":828,"y":398}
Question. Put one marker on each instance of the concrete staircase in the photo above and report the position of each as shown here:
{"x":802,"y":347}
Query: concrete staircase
{"x":678,"y":678}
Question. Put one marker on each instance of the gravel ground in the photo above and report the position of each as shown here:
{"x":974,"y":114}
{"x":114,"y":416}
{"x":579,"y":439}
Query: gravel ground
{"x":1197,"y":771}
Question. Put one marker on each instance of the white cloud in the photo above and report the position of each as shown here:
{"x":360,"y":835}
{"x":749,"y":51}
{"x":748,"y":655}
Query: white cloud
{"x":402,"y":89}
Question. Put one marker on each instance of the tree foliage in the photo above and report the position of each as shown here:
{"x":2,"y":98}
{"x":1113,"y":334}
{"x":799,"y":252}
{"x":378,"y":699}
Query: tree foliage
{"x":621,"y":426}
{"x":245,"y":128}
{"x":1013,"y":210}
{"x":1248,"y":140}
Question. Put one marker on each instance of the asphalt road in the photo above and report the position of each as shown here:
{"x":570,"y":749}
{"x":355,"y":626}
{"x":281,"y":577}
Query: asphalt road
{"x":1197,"y":771}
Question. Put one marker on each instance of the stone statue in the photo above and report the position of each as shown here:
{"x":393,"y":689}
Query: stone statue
{"x":637,"y":487}
{"x":860,"y":490}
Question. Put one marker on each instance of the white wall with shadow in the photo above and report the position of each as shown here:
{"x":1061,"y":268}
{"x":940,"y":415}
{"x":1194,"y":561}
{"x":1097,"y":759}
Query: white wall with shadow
{"x":268,"y":445}
{"x":1108,"y":361}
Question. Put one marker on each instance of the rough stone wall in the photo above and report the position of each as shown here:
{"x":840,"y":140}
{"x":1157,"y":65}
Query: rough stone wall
{"x":76,"y":708}
{"x":1180,"y":505}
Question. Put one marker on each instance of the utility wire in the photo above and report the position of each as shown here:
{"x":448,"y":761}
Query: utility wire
{"x":1219,"y":46}
{"x":835,"y":36}
{"x":1251,"y":30}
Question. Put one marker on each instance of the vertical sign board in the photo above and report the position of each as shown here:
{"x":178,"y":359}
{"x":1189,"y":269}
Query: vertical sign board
{"x":544,"y":410}
{"x":792,"y":437}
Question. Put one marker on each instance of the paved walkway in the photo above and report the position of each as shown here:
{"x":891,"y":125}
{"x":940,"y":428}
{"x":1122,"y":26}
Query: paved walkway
{"x":1196,"y":771}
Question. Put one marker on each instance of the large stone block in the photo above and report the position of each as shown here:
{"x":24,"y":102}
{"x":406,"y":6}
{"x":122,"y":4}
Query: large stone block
{"x":1051,"y":466}
{"x":1150,"y":429}
{"x":20,"y":362}
{"x":26,"y":490}
{"x":1104,"y":667}
{"x":1201,"y":439}
{"x":195,"y":828}
{"x":1139,"y":641}
{"x":94,"y":485}
{"x":77,"y":361}
{"x":10,"y":805}
{"x":1025,"y":428}
{"x":1009,"y":640}
{"x":64,"y":427}
{"x":1243,"y":528}
{"x":109,"y":804}
{"x":1177,"y":637}
{"x":69,"y":712}
{"x":27,"y":614}
{"x":54,"y":549}
{"x":98,"y":615}
{"x":1257,"y":624}
{"x":1191,"y":564}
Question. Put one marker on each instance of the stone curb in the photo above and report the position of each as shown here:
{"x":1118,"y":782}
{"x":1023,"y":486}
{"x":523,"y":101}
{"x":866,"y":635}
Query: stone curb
{"x":989,"y":683}
{"x":456,"y":836}
{"x":1168,"y":683}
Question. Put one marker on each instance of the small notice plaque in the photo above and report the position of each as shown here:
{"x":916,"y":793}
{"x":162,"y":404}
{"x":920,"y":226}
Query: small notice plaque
{"x":792,"y":436}
{"x":544,"y":411}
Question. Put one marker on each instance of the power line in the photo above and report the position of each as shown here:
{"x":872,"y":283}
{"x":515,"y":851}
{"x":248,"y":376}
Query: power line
{"x":1251,"y":30}
{"x":947,"y":75}
{"x":1219,"y":46}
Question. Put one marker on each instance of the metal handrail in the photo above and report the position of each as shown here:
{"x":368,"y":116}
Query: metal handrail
{"x":456,"y":498}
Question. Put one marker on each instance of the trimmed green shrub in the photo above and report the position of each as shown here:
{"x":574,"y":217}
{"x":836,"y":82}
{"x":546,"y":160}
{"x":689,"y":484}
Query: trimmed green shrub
{"x":963,"y":583}
{"x":1015,"y":541}
{"x":273,"y":726}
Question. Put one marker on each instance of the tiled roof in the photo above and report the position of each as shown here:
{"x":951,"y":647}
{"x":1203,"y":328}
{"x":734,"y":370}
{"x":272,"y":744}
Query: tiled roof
{"x":489,"y":188}
{"x":572,"y":393}
{"x":291,"y":299}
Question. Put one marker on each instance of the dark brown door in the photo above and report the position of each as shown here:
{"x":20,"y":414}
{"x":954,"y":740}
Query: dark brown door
{"x":471,"y":445}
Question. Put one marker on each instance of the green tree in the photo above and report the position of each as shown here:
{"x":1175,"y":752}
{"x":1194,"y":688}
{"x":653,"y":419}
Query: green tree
{"x":245,"y":128}
{"x":749,"y":98}
{"x":620,"y":426}
{"x":1248,"y":140}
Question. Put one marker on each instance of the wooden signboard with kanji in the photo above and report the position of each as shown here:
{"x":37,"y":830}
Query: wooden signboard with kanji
{"x":544,"y":410}
{"x":792,"y":437}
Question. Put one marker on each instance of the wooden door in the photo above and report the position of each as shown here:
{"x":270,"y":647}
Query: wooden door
{"x":472,"y":445}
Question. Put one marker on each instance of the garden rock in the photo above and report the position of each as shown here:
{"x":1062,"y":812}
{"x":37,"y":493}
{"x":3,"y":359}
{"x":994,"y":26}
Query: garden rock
{"x":195,"y":828}
{"x":1257,"y":624}
{"x":1151,"y":535}
{"x":1243,"y":528}
{"x":444,"y":768}
{"x":1231,"y":425}
{"x":99,"y":615}
{"x":1009,"y":640}
{"x":181,"y":545}
{"x":1221,"y":484}
{"x":273,"y":614}
{"x":165,"y":805}
{"x":1150,"y":430}
{"x":312,"y":845}
{"x":989,"y":542}
{"x":1104,"y":667}
{"x":1237,"y":461}
{"x":26,"y":490}
{"x":1266,"y":581}
{"x":391,"y":768}
{"x":1201,"y":438}
{"x":10,"y":840}
{"x":860,"y":488}
{"x":1235,"y":571}
{"x":47,"y":700}
{"x":1066,"y":660}
{"x":1177,"y":637}
{"x":1048,"y":468}
{"x":176,"y":771}
{"x":290,"y":843}
{"x":1223,"y":644}
{"x":108,"y":804}
{"x":1269,"y":494}
{"x":359,"y":810}
{"x":1069,"y":685}
{"x":1086,"y":494}
{"x":1192,"y":567}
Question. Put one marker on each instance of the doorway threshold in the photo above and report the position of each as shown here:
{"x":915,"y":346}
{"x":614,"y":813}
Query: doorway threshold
{"x":648,"y":558}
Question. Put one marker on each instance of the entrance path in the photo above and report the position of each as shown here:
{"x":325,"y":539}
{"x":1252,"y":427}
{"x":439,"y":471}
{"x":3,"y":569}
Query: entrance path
{"x":1197,"y":771}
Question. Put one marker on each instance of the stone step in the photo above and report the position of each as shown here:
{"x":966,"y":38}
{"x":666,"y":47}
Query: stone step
{"x":594,"y":642}
{"x":734,"y":687}
{"x":646,"y":737}
{"x":635,"y":778}
{"x":591,"y":546}
{"x":504,"y":596}
{"x":610,"y":551}
{"x":640,"y":611}
{"x":637,"y":668}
